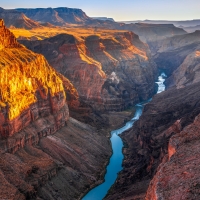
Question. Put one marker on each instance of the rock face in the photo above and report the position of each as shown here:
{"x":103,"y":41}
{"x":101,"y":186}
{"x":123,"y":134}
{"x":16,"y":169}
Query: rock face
{"x":23,"y":86}
{"x":56,"y":16}
{"x":110,"y":72}
{"x":188,"y":72}
{"x":179,"y":53}
{"x":17,"y":19}
{"x":41,"y":156}
{"x":146,"y":144}
{"x":178,"y":175}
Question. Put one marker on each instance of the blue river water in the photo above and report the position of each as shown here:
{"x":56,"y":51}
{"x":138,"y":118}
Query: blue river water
{"x":115,"y":164}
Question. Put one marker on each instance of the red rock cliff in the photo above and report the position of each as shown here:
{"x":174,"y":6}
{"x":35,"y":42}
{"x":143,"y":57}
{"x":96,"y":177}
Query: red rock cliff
{"x":178,"y":176}
{"x":41,"y":157}
{"x":29,"y":87}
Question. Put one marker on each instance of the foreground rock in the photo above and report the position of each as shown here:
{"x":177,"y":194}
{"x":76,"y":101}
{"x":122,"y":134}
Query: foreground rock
{"x":178,"y":175}
{"x":146,"y":144}
{"x":44,"y":153}
{"x":111,"y":72}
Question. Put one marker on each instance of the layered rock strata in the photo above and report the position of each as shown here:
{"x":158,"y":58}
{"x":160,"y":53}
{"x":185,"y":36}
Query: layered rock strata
{"x":44,"y":154}
{"x":30,"y":88}
{"x":15,"y":19}
{"x":110,"y":72}
{"x":146,"y":144}
{"x":171,"y":53}
{"x":178,"y":175}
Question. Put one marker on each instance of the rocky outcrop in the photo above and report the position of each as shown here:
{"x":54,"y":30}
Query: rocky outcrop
{"x":23,"y":86}
{"x":13,"y":18}
{"x":110,"y":72}
{"x":44,"y":154}
{"x":146,"y":144}
{"x":178,"y":175}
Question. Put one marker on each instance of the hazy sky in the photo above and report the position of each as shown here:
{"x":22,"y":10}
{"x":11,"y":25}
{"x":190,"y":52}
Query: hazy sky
{"x":120,"y":9}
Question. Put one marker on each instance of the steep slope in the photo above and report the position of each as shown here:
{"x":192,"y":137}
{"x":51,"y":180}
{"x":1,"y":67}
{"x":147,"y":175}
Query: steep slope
{"x":188,"y":72}
{"x":179,"y":53}
{"x":146,"y":144}
{"x":110,"y":71}
{"x":17,"y":19}
{"x":178,"y":176}
{"x":175,"y":42}
{"x":44,"y":153}
{"x":56,"y":16}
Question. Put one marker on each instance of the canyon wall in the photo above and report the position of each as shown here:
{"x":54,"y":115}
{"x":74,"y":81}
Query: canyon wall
{"x":146,"y":144}
{"x":178,"y":175}
{"x":44,"y":153}
{"x":111,"y":71}
{"x":170,"y":53}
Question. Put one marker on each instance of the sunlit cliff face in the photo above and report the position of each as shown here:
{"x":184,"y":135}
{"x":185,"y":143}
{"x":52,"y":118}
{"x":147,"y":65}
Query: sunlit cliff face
{"x":22,"y":73}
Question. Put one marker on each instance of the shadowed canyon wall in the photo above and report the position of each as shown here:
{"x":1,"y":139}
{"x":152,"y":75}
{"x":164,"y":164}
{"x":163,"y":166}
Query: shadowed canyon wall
{"x":146,"y":144}
{"x":110,"y":72}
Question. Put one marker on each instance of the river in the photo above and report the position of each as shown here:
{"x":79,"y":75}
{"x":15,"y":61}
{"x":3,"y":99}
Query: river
{"x":115,"y":164}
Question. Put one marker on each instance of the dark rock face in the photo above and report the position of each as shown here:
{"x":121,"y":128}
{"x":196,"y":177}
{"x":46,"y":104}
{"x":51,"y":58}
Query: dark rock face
{"x":109,"y":73}
{"x":55,"y":166}
{"x":146,"y":144}
{"x":178,"y":175}
{"x":153,"y":32}
{"x":17,"y":19}
{"x":178,"y":53}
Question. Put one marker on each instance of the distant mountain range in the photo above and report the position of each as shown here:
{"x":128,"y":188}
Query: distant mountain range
{"x":186,"y":23}
{"x":56,"y":16}
{"x":17,"y":19}
{"x":104,"y":18}
{"x":38,"y":17}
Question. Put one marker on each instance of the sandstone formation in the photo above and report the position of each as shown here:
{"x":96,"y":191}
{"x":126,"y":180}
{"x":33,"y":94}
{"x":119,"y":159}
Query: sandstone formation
{"x":44,"y":154}
{"x":178,"y":175}
{"x":110,"y":72}
{"x":13,"y":18}
{"x":146,"y":144}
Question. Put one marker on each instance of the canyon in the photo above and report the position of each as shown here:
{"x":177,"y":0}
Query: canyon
{"x":68,"y":80}
{"x":42,"y":147}
{"x":111,"y":72}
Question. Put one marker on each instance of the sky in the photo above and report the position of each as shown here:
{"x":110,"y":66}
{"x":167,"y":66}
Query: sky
{"x":120,"y":10}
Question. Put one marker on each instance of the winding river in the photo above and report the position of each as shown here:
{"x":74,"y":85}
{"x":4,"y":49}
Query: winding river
{"x":115,"y":164}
